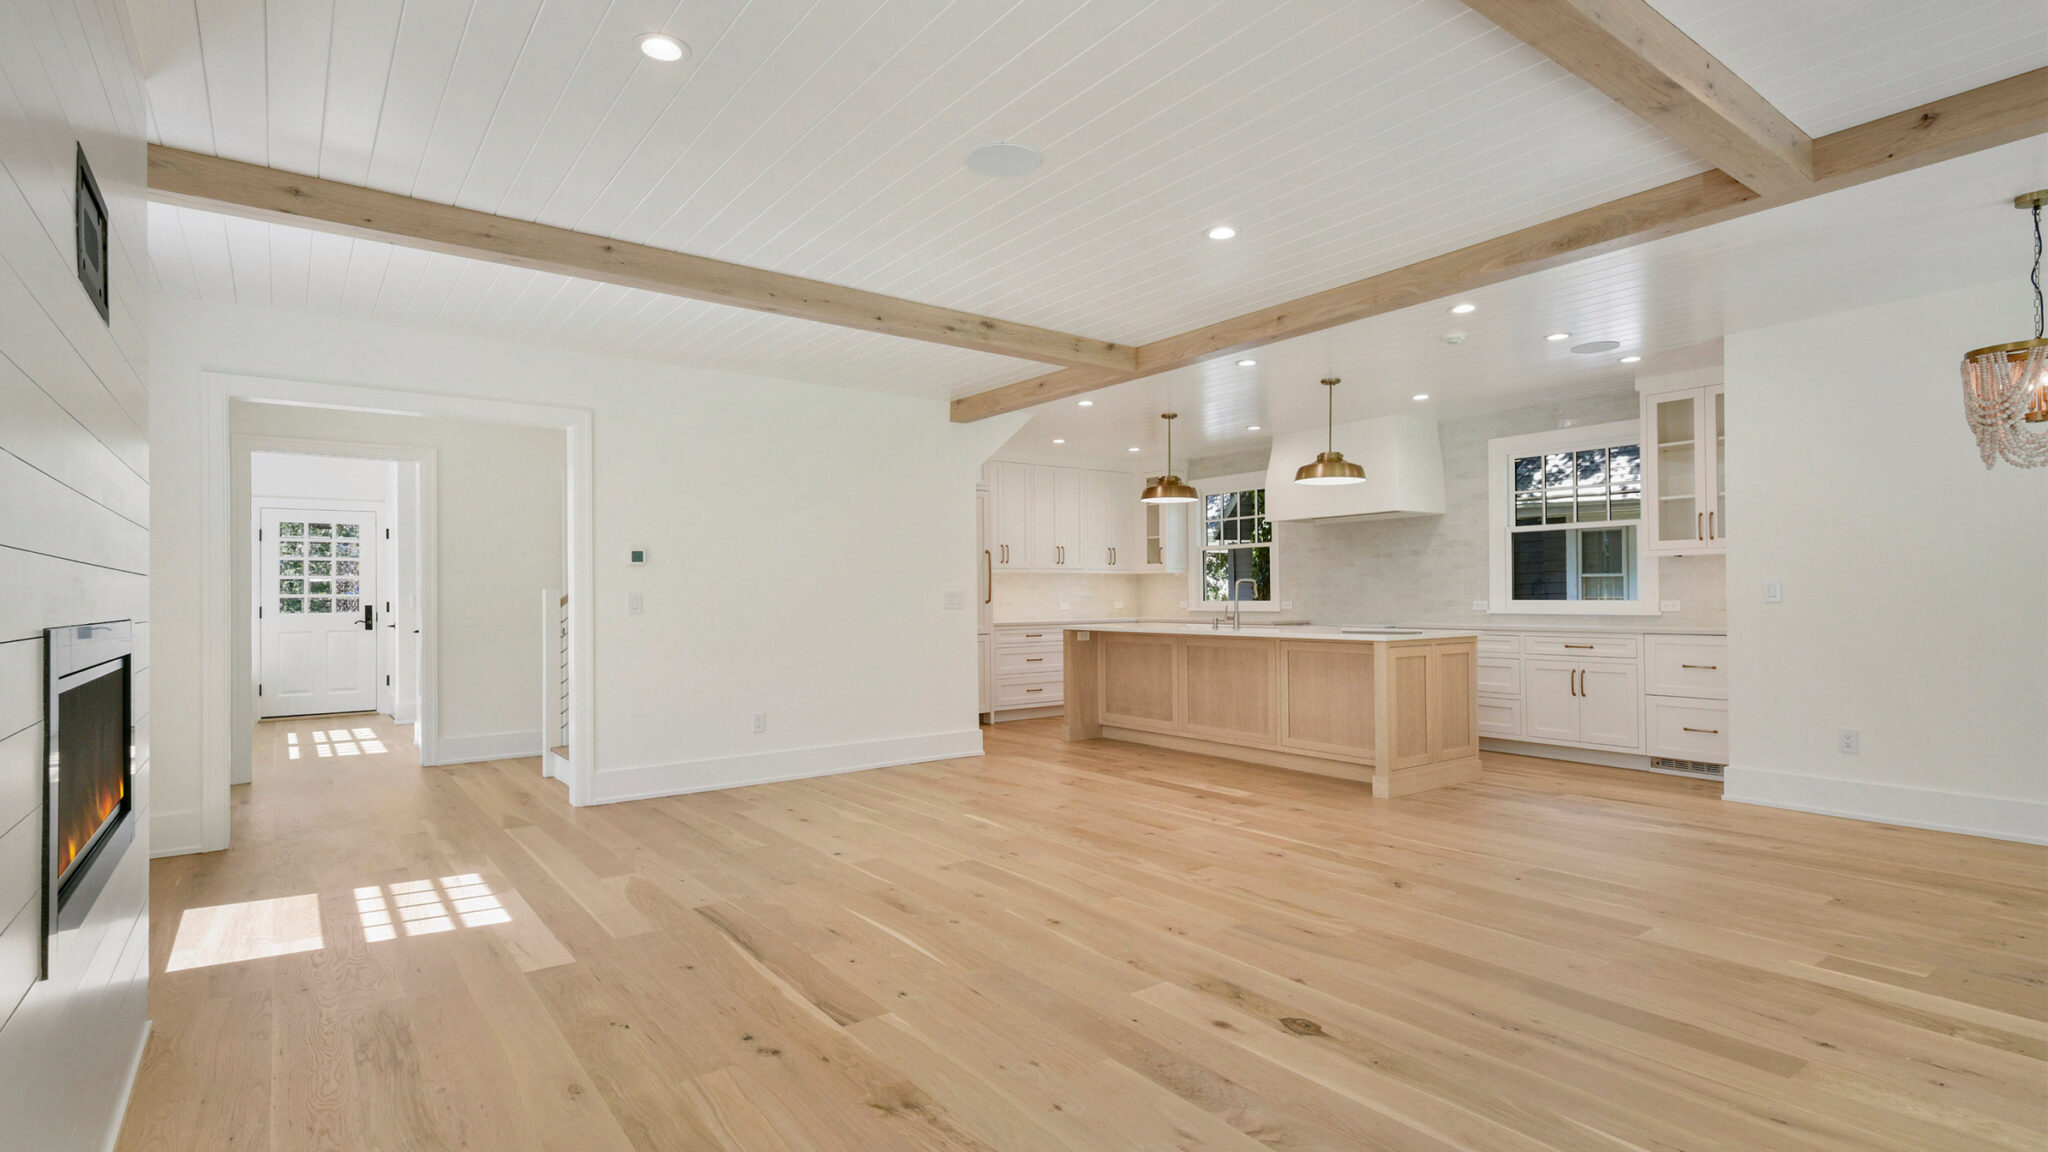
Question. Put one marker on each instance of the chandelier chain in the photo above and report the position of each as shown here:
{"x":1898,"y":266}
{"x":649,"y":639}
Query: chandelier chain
{"x":2038,"y":316}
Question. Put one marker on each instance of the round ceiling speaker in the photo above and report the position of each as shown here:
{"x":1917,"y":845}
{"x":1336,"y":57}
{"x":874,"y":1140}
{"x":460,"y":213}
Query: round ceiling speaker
{"x":1596,"y":346}
{"x":1004,"y":159}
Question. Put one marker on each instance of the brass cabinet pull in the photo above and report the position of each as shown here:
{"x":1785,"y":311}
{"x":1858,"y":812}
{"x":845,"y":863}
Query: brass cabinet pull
{"x":1585,"y":646}
{"x":988,"y":595}
{"x":1034,"y":660}
{"x":1706,"y":731}
{"x":1034,"y":689}
{"x":1033,"y":635}
{"x":1575,"y":681}
{"x":1702,"y":667}
{"x":1700,"y":528}
{"x":1710,"y":526}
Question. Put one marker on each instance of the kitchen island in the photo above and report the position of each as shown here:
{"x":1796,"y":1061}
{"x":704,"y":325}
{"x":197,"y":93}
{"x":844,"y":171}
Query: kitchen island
{"x":1397,"y":708}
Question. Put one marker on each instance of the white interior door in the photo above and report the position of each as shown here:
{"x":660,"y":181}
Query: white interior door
{"x":318,"y":599}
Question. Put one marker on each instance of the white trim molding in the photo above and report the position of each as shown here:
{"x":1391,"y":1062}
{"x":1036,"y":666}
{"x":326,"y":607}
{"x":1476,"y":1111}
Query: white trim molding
{"x":488,"y":746}
{"x":1998,"y":817}
{"x":716,"y":772}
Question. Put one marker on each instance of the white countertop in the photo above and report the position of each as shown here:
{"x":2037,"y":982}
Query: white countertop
{"x":1297,"y":626}
{"x":1281,"y":632}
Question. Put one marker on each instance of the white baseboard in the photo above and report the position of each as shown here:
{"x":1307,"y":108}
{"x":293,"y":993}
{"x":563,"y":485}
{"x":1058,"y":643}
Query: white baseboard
{"x":718,"y":772}
{"x":1571,"y":752}
{"x":489,"y":746}
{"x":127,"y":1089}
{"x":176,"y":833}
{"x":1998,"y":817}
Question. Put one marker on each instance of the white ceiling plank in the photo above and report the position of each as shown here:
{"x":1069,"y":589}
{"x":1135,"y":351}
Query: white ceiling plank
{"x":296,"y":33}
{"x":430,"y":36}
{"x":249,"y":258}
{"x":206,"y":243}
{"x":436,"y":284}
{"x":367,"y":262}
{"x":401,"y":279}
{"x":231,"y":35}
{"x":359,"y":56}
{"x":327,"y":277}
{"x":167,"y":256}
{"x":167,"y":38}
{"x":291,"y":267}
{"x":492,"y":46}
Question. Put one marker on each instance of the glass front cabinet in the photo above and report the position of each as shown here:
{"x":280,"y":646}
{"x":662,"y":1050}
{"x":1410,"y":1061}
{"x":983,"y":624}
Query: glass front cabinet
{"x":1685,"y":449}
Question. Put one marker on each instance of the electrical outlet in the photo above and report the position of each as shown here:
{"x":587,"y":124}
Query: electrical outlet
{"x":1849,"y":741}
{"x":1774,"y":591}
{"x":760,"y":723}
{"x":633,"y":603}
{"x":1669,"y":605}
{"x":1479,"y":605}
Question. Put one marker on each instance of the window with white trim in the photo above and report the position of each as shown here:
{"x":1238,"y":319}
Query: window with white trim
{"x":1567,"y":523}
{"x":1232,"y":541}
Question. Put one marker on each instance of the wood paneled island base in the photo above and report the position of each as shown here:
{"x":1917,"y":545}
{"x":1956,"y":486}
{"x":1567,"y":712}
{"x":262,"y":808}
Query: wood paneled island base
{"x":1397,"y":709}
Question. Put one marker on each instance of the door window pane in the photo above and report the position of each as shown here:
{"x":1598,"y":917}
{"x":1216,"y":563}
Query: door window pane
{"x":320,"y":548}
{"x":322,"y":587}
{"x":319,"y":567}
{"x":291,"y":567}
{"x":292,"y":548}
{"x":348,"y":588}
{"x":348,"y":567}
{"x":291,"y":587}
{"x":291,"y":604}
{"x":348,"y":605}
{"x":348,"y":548}
{"x":319,"y":604}
{"x":347,"y":531}
{"x":291,"y":528}
{"x":319,"y":529}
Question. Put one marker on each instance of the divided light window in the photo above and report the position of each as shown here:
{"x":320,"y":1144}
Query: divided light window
{"x":1577,"y":513}
{"x":1237,"y":544}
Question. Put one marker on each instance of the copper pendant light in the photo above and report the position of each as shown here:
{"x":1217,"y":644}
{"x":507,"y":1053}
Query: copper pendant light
{"x":1169,"y":489}
{"x":1330,"y":466}
{"x":2005,"y":386}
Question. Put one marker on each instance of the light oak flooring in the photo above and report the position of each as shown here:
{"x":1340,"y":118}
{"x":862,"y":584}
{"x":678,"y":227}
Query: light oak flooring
{"x":1070,"y":947}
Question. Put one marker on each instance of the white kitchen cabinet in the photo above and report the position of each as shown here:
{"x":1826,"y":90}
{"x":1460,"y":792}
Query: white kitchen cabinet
{"x":1106,"y":504}
{"x":1159,"y":533}
{"x":1685,"y":455}
{"x":1583,"y":702}
{"x":1069,"y":501}
{"x":1048,"y":518}
{"x":1690,"y":730}
{"x":1010,"y":502}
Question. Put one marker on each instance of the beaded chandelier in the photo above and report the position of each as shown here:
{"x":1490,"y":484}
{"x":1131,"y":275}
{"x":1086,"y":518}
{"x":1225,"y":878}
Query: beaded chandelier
{"x":2005,"y":386}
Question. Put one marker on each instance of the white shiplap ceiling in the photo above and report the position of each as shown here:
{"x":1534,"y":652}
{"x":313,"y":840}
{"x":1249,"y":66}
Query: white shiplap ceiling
{"x":1947,"y":226}
{"x":1341,"y":137}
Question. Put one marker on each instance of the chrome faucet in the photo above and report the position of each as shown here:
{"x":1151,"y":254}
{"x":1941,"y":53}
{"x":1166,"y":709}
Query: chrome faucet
{"x":1237,"y":603}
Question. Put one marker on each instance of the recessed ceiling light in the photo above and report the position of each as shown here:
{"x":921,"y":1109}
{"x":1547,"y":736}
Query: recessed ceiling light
{"x":1222,"y":232}
{"x":1420,"y":396}
{"x":1059,"y":441}
{"x":1251,"y":427}
{"x":1246,"y":363}
{"x":1554,"y":337}
{"x":1463,"y":309}
{"x":1631,"y":359}
{"x":1592,"y":347}
{"x":1135,"y":448}
{"x":1086,"y":403}
{"x":663,"y":47}
{"x":1005,"y":159}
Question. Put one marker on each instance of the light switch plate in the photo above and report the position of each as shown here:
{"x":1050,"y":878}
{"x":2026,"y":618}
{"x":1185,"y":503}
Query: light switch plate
{"x":1774,"y":591}
{"x":633,"y":603}
{"x":1479,"y":605}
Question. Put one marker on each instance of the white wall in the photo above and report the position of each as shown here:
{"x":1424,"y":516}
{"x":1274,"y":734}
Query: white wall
{"x":800,"y":541}
{"x":296,"y":476}
{"x":74,"y":547}
{"x":1915,"y":582}
{"x":503,"y":506}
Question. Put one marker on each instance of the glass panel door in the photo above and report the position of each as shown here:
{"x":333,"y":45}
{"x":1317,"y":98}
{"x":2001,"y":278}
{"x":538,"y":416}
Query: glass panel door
{"x":1720,"y":525}
{"x":1675,"y":456}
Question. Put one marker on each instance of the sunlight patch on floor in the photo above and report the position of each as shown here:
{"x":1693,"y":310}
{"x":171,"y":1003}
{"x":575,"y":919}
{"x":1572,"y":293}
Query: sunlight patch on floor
{"x":252,"y":930}
{"x":339,"y":742}
{"x":423,"y":907}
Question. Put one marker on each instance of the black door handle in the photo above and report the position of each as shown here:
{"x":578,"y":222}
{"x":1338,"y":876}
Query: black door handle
{"x":369,"y":615}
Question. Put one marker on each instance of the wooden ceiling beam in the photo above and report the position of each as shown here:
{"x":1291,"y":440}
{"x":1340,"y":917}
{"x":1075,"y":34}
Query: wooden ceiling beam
{"x":193,"y":180}
{"x":1628,"y":50}
{"x":1999,"y":113}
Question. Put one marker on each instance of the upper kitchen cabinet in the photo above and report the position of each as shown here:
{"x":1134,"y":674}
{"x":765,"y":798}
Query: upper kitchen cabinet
{"x":1049,"y":518}
{"x":1159,"y":533}
{"x":1685,"y":440}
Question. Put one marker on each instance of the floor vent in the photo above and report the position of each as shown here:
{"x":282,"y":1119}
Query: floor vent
{"x":1692,"y":767}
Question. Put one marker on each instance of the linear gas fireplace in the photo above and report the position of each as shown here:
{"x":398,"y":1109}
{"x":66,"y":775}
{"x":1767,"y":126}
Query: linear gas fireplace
{"x":90,"y":750}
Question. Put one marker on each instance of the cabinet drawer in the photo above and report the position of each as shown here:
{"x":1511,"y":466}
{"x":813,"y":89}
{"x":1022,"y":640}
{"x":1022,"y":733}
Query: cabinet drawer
{"x":1500,"y":717}
{"x":1579,"y":647}
{"x":1688,"y":730}
{"x":1029,"y":663}
{"x":1028,"y":693}
{"x":1028,"y":637}
{"x":1493,"y":643}
{"x":1695,"y":666}
{"x":1499,"y":677}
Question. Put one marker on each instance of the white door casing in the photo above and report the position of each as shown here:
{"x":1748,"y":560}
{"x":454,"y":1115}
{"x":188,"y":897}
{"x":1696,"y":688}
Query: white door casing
{"x":317,"y":604}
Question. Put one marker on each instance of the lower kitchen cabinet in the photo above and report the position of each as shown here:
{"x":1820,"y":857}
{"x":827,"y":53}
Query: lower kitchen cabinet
{"x":1583,"y":702}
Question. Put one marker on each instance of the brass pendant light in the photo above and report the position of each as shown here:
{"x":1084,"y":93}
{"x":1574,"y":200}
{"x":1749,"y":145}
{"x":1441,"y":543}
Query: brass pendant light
{"x":1169,"y":489}
{"x":1330,"y":466}
{"x":2005,"y":386}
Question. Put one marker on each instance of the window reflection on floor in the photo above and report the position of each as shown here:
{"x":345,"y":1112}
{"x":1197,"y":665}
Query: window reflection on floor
{"x":337,"y":742}
{"x":422,"y":907}
{"x":251,"y":930}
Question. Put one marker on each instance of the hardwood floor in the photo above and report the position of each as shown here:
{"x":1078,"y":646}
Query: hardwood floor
{"x":1067,"y":947}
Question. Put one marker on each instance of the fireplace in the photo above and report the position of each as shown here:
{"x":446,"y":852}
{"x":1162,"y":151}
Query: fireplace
{"x":89,"y":748}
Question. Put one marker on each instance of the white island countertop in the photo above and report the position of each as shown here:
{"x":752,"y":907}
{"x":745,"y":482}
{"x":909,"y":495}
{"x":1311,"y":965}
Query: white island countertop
{"x":1283,"y":631}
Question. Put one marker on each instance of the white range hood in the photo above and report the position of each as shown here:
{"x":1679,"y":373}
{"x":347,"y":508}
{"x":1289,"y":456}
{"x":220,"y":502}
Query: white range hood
{"x":1404,"y":472}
